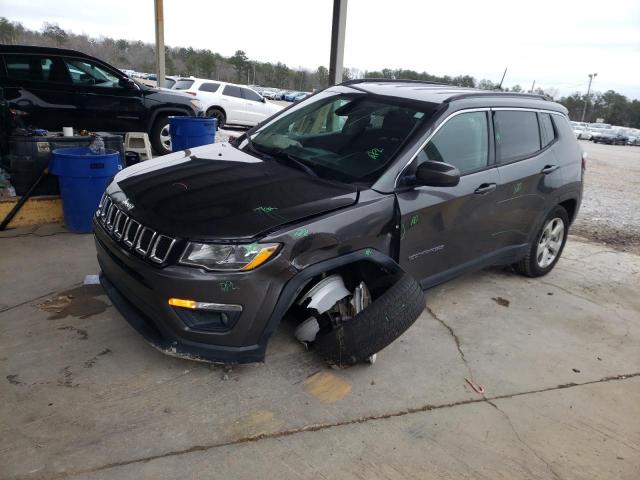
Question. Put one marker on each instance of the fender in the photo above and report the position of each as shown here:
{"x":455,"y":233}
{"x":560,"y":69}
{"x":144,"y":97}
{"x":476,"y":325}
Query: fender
{"x":296,"y":283}
{"x":165,"y":110}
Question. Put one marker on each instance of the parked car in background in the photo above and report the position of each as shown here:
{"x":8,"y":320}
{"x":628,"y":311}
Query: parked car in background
{"x":269,"y":93}
{"x":58,"y":88}
{"x":581,"y":130}
{"x":291,"y":95}
{"x":301,"y":96}
{"x":610,"y":136}
{"x":228,"y":103}
{"x":335,"y":214}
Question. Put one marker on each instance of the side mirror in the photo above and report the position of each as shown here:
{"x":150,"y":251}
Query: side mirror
{"x":264,"y":100}
{"x":128,"y":83}
{"x":437,"y":174}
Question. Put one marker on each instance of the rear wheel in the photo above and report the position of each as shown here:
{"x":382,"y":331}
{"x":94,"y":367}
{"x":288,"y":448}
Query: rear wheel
{"x":218,"y":115}
{"x":161,"y":136}
{"x":544,"y":252}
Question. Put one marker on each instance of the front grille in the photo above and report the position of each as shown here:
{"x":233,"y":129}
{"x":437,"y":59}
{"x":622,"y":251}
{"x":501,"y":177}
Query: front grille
{"x":131,"y":234}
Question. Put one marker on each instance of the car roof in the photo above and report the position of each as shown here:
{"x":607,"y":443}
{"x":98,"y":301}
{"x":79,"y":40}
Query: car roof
{"x":34,"y":49}
{"x":438,"y":93}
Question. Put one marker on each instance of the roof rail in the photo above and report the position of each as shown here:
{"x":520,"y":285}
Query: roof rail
{"x":391,"y":80}
{"x":488,"y":93}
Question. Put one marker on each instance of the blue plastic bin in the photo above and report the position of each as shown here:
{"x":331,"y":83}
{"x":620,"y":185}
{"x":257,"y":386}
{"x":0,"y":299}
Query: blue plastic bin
{"x":188,"y":132}
{"x":83,"y":178}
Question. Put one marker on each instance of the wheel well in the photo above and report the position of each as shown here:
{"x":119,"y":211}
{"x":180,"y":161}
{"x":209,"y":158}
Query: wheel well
{"x":215,"y":107}
{"x":570,"y":207}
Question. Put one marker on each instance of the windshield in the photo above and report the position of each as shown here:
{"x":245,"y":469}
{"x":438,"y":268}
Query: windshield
{"x":351,"y":138}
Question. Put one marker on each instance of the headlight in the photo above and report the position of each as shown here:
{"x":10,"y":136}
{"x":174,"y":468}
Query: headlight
{"x":196,"y":103}
{"x":216,"y":256}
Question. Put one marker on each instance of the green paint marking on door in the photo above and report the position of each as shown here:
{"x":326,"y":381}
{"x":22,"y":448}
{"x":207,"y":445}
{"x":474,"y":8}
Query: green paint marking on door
{"x":414,"y":220}
{"x":517,"y":188}
{"x":375,"y":153}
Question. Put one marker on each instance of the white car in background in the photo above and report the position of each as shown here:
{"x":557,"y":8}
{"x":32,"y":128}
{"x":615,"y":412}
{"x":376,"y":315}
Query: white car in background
{"x":581,"y":130}
{"x":228,"y":103}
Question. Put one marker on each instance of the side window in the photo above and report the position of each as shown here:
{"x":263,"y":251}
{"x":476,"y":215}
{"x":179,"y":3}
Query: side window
{"x":517,"y":134}
{"x":546,"y":129}
{"x":251,"y":95}
{"x":209,"y":87}
{"x":232,"y":91}
{"x":462,"y":142}
{"x":36,"y":68}
{"x":86,"y":73}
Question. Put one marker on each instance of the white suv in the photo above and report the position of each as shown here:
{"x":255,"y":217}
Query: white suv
{"x":228,"y":103}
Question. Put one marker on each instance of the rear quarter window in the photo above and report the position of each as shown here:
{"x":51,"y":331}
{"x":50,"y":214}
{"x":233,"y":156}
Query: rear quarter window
{"x":209,"y":87}
{"x":546,"y":129}
{"x":517,"y":134}
{"x":183,"y":85}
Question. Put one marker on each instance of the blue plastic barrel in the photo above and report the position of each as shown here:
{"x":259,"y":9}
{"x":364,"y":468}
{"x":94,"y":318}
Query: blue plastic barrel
{"x":83,"y":178}
{"x":188,"y":132}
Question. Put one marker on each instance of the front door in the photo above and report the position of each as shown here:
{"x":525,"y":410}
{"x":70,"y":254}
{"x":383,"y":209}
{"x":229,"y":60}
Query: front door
{"x":107,"y":103}
{"x":445,"y":229}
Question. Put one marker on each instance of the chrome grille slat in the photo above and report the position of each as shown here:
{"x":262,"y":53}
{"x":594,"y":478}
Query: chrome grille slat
{"x":147,"y":242}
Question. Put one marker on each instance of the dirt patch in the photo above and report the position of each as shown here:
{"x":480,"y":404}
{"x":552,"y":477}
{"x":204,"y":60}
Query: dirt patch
{"x":91,"y":362}
{"x":617,"y":239}
{"x":327,"y":387}
{"x":81,"y":332}
{"x":501,"y":301}
{"x":66,"y":378}
{"x":78,"y":302}
{"x":14,"y":380}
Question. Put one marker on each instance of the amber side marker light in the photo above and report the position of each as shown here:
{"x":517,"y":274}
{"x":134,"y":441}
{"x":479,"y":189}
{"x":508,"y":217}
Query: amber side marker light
{"x":260,"y":258}
{"x":180,"y":302}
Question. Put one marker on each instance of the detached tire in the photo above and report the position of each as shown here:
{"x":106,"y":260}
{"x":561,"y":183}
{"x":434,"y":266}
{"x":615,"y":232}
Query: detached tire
{"x":384,"y":320}
{"x":538,"y":263}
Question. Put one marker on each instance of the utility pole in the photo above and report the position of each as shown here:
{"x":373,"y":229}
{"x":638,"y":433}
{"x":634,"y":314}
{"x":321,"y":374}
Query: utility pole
{"x":533,"y":86}
{"x":338,"y":29}
{"x":586,"y":100}
{"x":159,"y":20}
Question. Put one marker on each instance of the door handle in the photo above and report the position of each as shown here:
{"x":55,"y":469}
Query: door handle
{"x":549,"y":168}
{"x":485,"y":188}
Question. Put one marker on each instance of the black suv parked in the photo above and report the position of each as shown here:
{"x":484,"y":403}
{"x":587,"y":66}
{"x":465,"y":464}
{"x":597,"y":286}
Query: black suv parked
{"x":337,"y":212}
{"x":63,"y":88}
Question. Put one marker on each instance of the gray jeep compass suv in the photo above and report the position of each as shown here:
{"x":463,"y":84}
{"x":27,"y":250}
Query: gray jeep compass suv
{"x":337,"y":212}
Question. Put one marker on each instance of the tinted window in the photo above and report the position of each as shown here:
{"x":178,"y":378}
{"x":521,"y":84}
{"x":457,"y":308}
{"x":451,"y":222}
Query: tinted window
{"x":463,"y":142}
{"x":183,"y":85}
{"x":546,"y":129}
{"x":169,"y":82}
{"x":517,"y":134}
{"x":209,"y":87}
{"x":251,"y":95}
{"x":87,"y":73}
{"x":232,"y":91}
{"x":36,"y":68}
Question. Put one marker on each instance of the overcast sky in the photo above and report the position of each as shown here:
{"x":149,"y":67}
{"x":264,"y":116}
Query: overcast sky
{"x":557,"y":43}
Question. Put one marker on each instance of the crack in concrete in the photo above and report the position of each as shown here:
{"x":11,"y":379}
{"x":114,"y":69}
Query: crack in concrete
{"x":455,"y":339}
{"x":11,"y":307}
{"x":525,"y":444}
{"x":326,"y":426}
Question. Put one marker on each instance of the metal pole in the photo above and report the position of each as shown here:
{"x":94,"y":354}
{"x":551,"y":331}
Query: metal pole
{"x":586,"y":100}
{"x":159,"y":19}
{"x":533,"y":86}
{"x":338,"y":29}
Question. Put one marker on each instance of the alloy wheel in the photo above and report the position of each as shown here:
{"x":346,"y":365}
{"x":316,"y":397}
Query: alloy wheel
{"x":550,"y":242}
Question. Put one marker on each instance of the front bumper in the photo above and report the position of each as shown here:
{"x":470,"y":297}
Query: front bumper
{"x":140,"y":292}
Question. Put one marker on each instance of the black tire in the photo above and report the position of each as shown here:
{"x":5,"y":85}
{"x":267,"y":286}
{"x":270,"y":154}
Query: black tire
{"x":384,"y":320}
{"x":159,"y":147}
{"x":529,"y":265}
{"x":218,"y":115}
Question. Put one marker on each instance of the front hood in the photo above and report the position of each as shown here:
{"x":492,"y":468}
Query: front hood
{"x":220,"y":192}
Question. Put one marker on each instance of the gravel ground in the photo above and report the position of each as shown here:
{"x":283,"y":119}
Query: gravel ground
{"x":610,"y":211}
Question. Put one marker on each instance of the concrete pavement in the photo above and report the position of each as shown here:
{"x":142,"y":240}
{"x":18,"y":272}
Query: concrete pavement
{"x":83,"y":396}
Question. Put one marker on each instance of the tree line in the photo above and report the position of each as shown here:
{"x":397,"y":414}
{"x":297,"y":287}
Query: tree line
{"x":611,"y":106}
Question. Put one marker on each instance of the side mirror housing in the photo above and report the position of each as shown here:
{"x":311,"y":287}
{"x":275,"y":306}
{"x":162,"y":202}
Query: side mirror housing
{"x":437,"y":174}
{"x":128,"y":83}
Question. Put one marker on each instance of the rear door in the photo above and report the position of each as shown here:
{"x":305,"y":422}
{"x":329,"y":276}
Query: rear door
{"x":445,"y":229}
{"x":255,"y":107}
{"x":39,"y":86}
{"x":107,"y":103}
{"x":234,"y":105}
{"x":529,"y":171}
